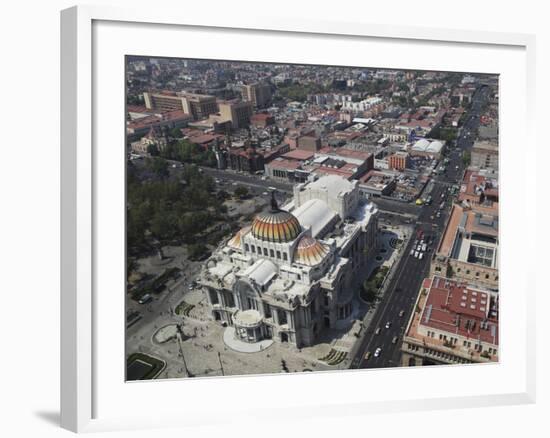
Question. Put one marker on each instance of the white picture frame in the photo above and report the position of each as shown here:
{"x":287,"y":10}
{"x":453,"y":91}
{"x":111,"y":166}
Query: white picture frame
{"x":82,"y":369}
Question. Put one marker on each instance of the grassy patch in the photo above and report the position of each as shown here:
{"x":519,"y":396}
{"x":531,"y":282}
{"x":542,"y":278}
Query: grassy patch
{"x":334,"y":357}
{"x":184,"y":308}
{"x":369,"y":291}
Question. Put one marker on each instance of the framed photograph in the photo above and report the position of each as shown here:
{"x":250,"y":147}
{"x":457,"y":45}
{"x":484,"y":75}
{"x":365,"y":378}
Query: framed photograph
{"x":265,"y":216}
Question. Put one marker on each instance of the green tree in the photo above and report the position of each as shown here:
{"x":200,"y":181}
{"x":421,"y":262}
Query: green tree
{"x":197,"y":251}
{"x":153,"y":150}
{"x":241,"y":192}
{"x":176,"y":133}
{"x":159,"y":166}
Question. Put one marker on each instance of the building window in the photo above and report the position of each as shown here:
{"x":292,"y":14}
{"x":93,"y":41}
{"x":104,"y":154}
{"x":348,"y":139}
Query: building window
{"x":285,"y":257}
{"x":259,"y":250}
{"x":272,"y":253}
{"x":214,"y":299}
{"x":252,"y":304}
{"x":265,"y":252}
{"x":278,"y":254}
{"x":246,"y":247}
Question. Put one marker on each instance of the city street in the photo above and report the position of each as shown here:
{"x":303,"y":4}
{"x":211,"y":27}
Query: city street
{"x":404,"y":286}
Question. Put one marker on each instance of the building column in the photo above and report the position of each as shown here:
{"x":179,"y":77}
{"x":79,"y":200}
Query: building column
{"x":237,"y":298}
{"x":220,"y":298}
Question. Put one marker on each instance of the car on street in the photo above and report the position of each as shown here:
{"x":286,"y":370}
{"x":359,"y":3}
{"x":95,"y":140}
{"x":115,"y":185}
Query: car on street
{"x":377,"y":331}
{"x":412,"y":252}
{"x":367,"y":355}
{"x":420,"y":256}
{"x":145,"y":299}
{"x":388,"y":324}
{"x":401,"y":313}
{"x":416,"y":254}
{"x":394,"y":340}
{"x":377,"y":352}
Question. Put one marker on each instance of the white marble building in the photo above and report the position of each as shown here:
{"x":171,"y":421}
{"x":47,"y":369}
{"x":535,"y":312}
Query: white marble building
{"x":290,"y":274}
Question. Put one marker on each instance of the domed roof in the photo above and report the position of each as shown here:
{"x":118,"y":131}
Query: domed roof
{"x":276,"y":225}
{"x":309,"y":251}
{"x":235,"y":241}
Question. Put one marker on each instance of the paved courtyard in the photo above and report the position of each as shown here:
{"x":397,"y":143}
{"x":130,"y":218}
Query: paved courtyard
{"x":203,"y":339}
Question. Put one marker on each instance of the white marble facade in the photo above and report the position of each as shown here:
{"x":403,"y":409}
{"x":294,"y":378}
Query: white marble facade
{"x":291,"y":273}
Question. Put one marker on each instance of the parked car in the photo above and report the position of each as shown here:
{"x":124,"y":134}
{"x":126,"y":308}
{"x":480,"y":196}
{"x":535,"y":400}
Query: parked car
{"x":377,"y":331}
{"x":401,"y":313}
{"x":367,"y":355}
{"x":394,"y":340}
{"x":145,"y":299}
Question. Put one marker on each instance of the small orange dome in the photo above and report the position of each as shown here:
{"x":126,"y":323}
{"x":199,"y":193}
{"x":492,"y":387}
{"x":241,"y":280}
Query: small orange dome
{"x":310,"y":251}
{"x":235,"y":241}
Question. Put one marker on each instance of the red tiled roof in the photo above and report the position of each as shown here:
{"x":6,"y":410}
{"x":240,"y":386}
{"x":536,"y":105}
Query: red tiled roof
{"x":459,"y":308}
{"x":175,"y":115}
{"x":299,"y":154}
{"x":202,"y":139}
{"x":136,"y":109}
{"x":284,"y":164}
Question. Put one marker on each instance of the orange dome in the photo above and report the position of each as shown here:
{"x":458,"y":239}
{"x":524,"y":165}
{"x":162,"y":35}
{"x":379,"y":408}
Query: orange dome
{"x":310,"y":251}
{"x":276,"y":226}
{"x":235,"y":241}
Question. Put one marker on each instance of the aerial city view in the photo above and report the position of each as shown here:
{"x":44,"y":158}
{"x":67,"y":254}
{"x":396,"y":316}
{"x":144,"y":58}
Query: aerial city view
{"x":288,"y":218}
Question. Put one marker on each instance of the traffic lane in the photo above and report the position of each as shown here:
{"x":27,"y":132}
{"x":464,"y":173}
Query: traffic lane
{"x":247,"y":179}
{"x":384,"y":340}
{"x":381,"y":310}
{"x":405,"y":289}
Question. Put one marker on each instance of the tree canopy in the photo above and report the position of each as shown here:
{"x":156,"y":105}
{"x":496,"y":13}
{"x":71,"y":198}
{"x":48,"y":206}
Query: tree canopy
{"x":168,"y":209}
